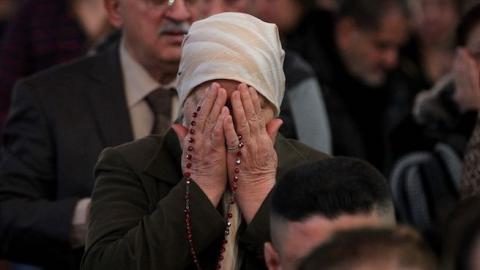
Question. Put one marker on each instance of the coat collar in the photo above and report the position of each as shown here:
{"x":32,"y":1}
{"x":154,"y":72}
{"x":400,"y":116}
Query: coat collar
{"x":166,"y":163}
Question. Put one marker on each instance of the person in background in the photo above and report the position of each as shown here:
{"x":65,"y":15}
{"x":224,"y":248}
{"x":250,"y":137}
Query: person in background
{"x":428,"y":56}
{"x":316,"y":199}
{"x":354,"y":53}
{"x":62,"y":118}
{"x":449,"y":111}
{"x":43,"y":33}
{"x":375,"y":249}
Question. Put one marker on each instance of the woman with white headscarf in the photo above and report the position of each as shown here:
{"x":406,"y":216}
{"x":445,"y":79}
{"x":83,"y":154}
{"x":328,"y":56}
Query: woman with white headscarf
{"x":197,"y":196}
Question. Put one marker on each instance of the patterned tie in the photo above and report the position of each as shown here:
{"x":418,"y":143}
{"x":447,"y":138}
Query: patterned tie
{"x":160,"y":102}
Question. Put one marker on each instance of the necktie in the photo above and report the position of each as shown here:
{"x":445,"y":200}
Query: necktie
{"x":160,"y":102}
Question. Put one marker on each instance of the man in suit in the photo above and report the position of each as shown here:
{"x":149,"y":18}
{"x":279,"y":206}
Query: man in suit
{"x":61,"y":119}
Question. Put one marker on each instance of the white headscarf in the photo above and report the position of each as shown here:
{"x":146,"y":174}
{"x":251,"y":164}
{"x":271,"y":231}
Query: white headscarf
{"x":234,"y":46}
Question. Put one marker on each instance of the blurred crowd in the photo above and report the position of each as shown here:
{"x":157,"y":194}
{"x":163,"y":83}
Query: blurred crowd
{"x":395,"y":83}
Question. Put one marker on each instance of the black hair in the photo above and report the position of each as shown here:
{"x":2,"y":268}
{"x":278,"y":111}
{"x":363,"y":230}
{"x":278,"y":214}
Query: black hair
{"x":347,"y":249}
{"x":368,"y":14}
{"x":467,"y":23}
{"x":329,"y":188}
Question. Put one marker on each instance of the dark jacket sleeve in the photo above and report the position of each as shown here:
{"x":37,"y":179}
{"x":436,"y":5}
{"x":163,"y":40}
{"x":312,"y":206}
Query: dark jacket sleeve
{"x":126,"y":233}
{"x":34,"y":226}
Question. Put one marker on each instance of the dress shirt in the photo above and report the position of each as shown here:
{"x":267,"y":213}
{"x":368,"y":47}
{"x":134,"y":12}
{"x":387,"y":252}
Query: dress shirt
{"x":138,"y":84}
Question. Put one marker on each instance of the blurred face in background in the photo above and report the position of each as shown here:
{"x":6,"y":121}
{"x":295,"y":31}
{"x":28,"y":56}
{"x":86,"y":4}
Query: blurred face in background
{"x":286,"y":14}
{"x":219,"y":6}
{"x":327,"y":4}
{"x":434,"y":21}
{"x":369,"y":54}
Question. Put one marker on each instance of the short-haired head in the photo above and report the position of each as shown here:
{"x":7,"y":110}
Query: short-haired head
{"x":330,"y":188}
{"x":372,"y":248}
{"x":313,"y":200}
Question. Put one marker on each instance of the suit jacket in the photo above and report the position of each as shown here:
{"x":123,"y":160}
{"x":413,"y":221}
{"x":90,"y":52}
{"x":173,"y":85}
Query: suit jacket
{"x":137,"y":219}
{"x":59,"y":122}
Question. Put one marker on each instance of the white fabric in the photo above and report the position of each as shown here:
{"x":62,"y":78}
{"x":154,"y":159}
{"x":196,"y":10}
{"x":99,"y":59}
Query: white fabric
{"x":138,"y":84}
{"x":234,"y":46}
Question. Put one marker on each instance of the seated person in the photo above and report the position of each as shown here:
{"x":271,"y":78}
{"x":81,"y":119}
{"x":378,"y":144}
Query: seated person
{"x":314,"y":200}
{"x":201,"y":201}
{"x":447,"y":113}
{"x":374,"y":249}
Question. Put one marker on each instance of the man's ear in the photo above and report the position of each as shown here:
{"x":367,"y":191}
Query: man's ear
{"x":113,"y":11}
{"x":272,"y":260}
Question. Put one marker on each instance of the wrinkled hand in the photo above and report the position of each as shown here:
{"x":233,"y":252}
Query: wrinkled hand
{"x":258,"y":157}
{"x":467,"y":81}
{"x":207,"y":163}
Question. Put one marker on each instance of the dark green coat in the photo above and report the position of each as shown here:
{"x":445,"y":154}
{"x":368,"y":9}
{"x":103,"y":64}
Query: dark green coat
{"x":137,"y":219}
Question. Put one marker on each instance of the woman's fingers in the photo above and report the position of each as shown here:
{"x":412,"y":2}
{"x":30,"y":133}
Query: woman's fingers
{"x":259,"y":121}
{"x":218,"y":134}
{"x":205,"y":106}
{"x":255,"y":100}
{"x":231,"y":137}
{"x":241,"y":122}
{"x":216,"y":110}
{"x":247,"y":102}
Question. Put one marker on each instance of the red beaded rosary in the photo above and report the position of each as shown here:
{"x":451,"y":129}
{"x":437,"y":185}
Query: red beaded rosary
{"x":233,"y":189}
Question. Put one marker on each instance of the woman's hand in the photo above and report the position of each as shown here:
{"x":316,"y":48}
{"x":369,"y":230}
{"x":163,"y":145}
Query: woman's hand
{"x":258,"y":159}
{"x":204,"y":153}
{"x":467,"y":84}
